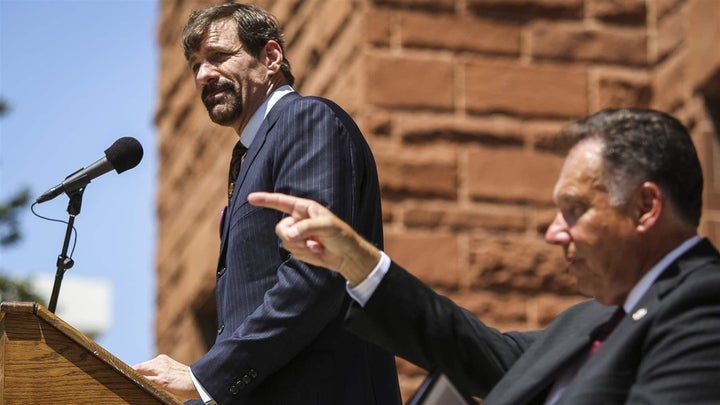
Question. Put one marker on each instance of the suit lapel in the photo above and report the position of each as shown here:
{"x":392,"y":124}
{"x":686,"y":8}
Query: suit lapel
{"x":257,"y":144}
{"x":668,"y":280}
{"x":260,"y":139}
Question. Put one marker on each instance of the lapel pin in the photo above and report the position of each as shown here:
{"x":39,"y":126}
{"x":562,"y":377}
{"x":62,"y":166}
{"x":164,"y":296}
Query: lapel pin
{"x":639,"y":314}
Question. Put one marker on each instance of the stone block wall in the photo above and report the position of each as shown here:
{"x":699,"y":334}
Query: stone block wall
{"x":459,"y":100}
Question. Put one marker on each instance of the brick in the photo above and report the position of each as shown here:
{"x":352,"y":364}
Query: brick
{"x":313,"y":22}
{"x":282,"y":10}
{"x":512,"y":175}
{"x":547,"y":307}
{"x":424,"y":172}
{"x":179,"y":175}
{"x":624,"y":90}
{"x":543,"y":134}
{"x":670,"y":35}
{"x":480,"y":216}
{"x":512,"y":310}
{"x":702,"y":20}
{"x":495,"y":130}
{"x":670,"y":84}
{"x":430,"y":256}
{"x":378,"y":27}
{"x":619,"y":11}
{"x":322,"y":33}
{"x":346,"y":84}
{"x":388,"y":211}
{"x":707,"y":144}
{"x":378,"y":122}
{"x":662,"y":7}
{"x":334,"y":16}
{"x":409,"y":83}
{"x":494,"y":307}
{"x":624,"y":46}
{"x":520,"y":10}
{"x":458,"y":33}
{"x":535,"y":90}
{"x":345,"y":89}
{"x":711,"y":227}
{"x":543,"y":217}
{"x":430,"y":5}
{"x":519,"y":264}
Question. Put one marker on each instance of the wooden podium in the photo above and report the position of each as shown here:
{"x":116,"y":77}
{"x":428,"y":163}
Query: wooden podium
{"x":43,"y":360}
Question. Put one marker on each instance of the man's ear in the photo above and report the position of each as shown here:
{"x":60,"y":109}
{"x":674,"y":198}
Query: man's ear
{"x":273,"y":56}
{"x":649,"y":206}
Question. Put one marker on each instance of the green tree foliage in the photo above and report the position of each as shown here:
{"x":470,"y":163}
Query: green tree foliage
{"x":10,"y":289}
{"x":9,"y":223}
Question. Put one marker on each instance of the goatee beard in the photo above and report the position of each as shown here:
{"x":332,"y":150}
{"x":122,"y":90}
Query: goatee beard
{"x":225,"y":114}
{"x":226,"y":109}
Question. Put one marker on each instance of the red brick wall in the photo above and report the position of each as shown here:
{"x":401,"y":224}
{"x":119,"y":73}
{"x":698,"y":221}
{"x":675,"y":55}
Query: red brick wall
{"x":459,"y":100}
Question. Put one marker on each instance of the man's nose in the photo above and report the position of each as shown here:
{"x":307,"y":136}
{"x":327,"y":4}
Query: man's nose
{"x":558,"y":233}
{"x":205,"y":74}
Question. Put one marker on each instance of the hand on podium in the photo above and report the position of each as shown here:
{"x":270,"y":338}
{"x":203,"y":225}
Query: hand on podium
{"x":170,"y":375}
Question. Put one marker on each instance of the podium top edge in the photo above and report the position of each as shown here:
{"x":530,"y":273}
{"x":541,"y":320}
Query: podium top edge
{"x":18,"y":306}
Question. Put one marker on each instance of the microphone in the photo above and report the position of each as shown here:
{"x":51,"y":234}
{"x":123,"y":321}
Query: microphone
{"x":122,"y":155}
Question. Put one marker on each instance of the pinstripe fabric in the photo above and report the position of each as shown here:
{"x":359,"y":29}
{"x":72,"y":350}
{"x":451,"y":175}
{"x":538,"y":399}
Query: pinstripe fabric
{"x":282,"y":339}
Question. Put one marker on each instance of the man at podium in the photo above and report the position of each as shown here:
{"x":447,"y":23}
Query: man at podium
{"x":280,"y":338}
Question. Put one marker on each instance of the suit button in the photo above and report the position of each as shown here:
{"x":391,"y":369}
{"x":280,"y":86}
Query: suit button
{"x":246,"y":379}
{"x":221,"y":329}
{"x":221,"y":271}
{"x":252,"y":373}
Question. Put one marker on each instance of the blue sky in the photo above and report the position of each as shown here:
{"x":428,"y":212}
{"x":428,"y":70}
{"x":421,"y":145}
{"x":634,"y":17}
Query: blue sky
{"x":78,"y":75}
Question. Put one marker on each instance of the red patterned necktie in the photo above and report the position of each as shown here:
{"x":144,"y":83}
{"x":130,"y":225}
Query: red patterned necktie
{"x":607,"y":329}
{"x":238,"y":155}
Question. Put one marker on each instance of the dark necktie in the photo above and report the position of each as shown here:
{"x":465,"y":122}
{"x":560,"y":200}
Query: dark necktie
{"x":607,"y":329}
{"x":238,"y":155}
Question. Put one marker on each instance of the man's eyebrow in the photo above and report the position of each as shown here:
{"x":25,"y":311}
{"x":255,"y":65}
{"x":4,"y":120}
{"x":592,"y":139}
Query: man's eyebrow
{"x":568,"y":199}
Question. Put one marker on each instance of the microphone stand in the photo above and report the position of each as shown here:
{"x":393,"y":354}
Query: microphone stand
{"x":63,"y":261}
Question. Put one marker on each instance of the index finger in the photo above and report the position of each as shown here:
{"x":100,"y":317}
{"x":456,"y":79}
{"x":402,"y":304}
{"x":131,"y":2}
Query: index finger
{"x":280,"y":202}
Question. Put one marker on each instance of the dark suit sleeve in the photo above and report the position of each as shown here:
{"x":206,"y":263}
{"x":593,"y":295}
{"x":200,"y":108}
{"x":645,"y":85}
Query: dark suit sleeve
{"x":310,"y":153}
{"x":408,"y":318}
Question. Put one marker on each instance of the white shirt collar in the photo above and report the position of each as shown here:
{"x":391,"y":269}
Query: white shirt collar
{"x":649,"y":278}
{"x":248,"y":133}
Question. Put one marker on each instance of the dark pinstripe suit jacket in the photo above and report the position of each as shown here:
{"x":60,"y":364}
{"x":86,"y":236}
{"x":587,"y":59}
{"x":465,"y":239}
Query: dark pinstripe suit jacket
{"x":281,"y":338}
{"x":666,"y":352}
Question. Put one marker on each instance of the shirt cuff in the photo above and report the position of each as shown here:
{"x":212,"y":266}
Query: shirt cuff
{"x":206,"y":398}
{"x":365,"y":289}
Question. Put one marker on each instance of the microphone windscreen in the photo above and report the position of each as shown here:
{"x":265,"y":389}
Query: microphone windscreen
{"x":124,"y":154}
